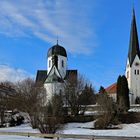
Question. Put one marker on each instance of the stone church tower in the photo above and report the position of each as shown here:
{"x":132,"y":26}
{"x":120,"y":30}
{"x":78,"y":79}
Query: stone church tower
{"x":133,"y":62}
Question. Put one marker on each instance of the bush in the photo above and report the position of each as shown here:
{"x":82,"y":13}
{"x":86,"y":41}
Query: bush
{"x":130,"y":117}
{"x":137,"y":101}
{"x":50,"y":125}
{"x":108,"y":111}
{"x":101,"y":123}
{"x":78,"y":118}
{"x":51,"y":115}
{"x":16,"y":120}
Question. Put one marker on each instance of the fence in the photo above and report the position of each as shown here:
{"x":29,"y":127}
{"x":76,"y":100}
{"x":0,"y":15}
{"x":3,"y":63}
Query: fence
{"x":74,"y":136}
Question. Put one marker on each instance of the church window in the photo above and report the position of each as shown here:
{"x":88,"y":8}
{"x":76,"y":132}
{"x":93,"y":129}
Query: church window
{"x":49,"y":63}
{"x":137,"y":72}
{"x":62,"y":63}
{"x":127,"y":74}
{"x":60,"y":91}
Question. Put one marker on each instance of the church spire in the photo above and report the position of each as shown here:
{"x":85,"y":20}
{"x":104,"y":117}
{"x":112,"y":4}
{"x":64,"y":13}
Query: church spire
{"x":134,"y":43}
{"x":57,"y":40}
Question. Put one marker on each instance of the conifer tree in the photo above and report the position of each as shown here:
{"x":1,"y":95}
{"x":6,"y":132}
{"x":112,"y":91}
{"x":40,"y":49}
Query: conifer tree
{"x":87,"y":96}
{"x":102,"y":90}
{"x":122,"y":94}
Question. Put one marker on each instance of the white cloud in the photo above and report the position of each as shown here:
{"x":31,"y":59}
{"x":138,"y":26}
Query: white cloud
{"x":8,"y":73}
{"x":47,"y":19}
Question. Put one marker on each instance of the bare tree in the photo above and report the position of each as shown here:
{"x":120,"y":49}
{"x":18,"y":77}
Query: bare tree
{"x":107,"y":111}
{"x":5,"y":90}
{"x":27,"y":97}
{"x":52,"y":115}
{"x":73,"y":89}
{"x":87,"y":96}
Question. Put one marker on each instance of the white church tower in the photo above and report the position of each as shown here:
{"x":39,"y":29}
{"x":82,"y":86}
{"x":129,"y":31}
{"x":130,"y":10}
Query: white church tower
{"x":57,"y":68}
{"x":57,"y":57}
{"x":133,"y":63}
{"x":54,"y":78}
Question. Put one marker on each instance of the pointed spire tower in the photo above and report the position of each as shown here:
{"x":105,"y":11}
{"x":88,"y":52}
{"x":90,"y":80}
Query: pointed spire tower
{"x":133,"y":62}
{"x":134,"y":43}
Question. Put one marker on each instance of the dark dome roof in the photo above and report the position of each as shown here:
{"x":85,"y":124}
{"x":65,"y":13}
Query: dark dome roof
{"x":57,"y":50}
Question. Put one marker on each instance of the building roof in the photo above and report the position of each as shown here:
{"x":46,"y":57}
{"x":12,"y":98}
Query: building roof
{"x":41,"y":76}
{"x":71,"y":73}
{"x":134,"y":43}
{"x":54,"y":75}
{"x":57,"y":50}
{"x":112,"y":88}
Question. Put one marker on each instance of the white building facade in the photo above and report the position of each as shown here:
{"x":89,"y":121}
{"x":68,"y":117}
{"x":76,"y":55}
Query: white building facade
{"x":57,"y":67}
{"x":132,"y":71}
{"x":54,"y":78}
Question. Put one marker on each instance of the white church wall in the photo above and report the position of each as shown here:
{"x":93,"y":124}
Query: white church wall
{"x":134,"y":78}
{"x":62,"y":69}
{"x":53,"y":88}
{"x":113,"y":96}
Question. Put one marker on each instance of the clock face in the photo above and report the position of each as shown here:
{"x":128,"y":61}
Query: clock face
{"x":137,"y":64}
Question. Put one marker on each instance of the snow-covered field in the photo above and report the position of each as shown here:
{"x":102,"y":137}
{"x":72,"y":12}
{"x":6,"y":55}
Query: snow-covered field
{"x":4,"y":137}
{"x":22,"y":128}
{"x":129,"y":130}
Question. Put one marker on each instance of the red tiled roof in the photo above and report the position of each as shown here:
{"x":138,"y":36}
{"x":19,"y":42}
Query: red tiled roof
{"x":112,"y":88}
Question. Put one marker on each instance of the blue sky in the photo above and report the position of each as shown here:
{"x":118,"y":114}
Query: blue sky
{"x":95,"y":34}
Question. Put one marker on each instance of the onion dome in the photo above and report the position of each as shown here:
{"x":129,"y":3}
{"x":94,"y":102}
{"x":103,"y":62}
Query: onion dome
{"x":57,"y":50}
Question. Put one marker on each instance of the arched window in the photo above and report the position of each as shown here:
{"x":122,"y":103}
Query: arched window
{"x":49,"y":63}
{"x":127,"y":74}
{"x":137,"y":72}
{"x":62,"y":63}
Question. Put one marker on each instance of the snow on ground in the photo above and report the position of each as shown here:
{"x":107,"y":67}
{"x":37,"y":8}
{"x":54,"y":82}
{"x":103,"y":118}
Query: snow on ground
{"x":91,"y":113}
{"x":5,"y":137}
{"x":22,"y":128}
{"x":134,"y":110}
{"x":129,"y":130}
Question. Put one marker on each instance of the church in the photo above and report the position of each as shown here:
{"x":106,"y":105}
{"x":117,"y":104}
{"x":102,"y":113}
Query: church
{"x":53,"y":79}
{"x":132,"y":69}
